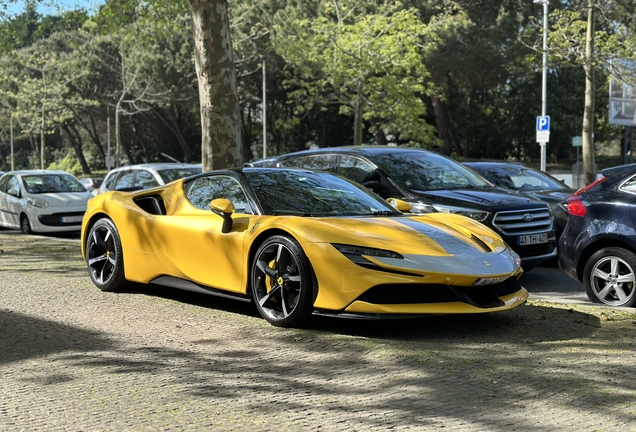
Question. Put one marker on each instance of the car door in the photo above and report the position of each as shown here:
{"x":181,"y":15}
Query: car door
{"x":193,"y":242}
{"x":10,"y":204}
{"x":4,"y":219}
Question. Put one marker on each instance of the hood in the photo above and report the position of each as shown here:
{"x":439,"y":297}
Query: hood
{"x":434,"y":234}
{"x":65,"y":199}
{"x":487,"y":198}
{"x":550,"y":195}
{"x":449,"y":246}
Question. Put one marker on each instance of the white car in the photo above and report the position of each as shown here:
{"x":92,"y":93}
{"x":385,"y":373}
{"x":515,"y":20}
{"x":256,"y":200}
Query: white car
{"x":42,"y":201}
{"x":144,"y":176}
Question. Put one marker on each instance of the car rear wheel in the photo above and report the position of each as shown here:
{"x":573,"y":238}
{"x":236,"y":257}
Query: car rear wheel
{"x":104,"y":256}
{"x":25,"y":225}
{"x":609,"y":277}
{"x":282,"y":283}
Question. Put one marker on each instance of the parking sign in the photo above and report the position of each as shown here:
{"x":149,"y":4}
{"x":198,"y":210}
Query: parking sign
{"x":543,"y":124}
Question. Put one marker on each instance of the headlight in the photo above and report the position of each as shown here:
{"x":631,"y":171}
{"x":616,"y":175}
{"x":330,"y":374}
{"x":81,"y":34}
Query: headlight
{"x":37,"y":202}
{"x":357,"y":253}
{"x":418,"y":207}
{"x":478,"y":215}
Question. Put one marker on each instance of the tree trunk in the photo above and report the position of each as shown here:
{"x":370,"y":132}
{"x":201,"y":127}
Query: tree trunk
{"x":221,"y":145}
{"x":357,"y":118}
{"x":445,"y":128}
{"x":589,"y":166}
{"x":75,"y":139}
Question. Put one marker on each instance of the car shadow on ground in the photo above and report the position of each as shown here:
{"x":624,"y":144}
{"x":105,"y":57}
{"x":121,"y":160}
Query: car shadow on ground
{"x":524,"y":324}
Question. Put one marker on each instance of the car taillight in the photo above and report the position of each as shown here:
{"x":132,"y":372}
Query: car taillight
{"x":576,"y":206}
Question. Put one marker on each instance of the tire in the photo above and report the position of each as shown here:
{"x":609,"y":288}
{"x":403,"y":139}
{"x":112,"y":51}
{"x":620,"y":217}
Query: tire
{"x":104,"y":256}
{"x":609,"y":277}
{"x":25,"y":225}
{"x":282,"y":282}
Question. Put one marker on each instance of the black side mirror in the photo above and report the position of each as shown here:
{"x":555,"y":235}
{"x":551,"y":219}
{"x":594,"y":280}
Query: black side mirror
{"x":224,"y":208}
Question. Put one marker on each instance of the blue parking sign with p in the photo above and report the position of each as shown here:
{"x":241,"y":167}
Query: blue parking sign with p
{"x":543,"y":123}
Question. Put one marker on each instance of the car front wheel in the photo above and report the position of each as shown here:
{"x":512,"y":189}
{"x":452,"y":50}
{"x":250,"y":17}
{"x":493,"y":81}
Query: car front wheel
{"x":25,"y":225}
{"x":104,"y":256}
{"x":609,"y":277}
{"x":282,"y":283}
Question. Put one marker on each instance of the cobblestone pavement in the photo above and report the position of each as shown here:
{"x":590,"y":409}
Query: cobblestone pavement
{"x":73,"y":358}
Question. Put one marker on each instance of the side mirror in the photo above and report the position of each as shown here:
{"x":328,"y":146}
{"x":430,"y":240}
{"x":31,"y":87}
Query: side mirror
{"x":224,"y":208}
{"x":400,"y":205}
{"x":14,"y":192}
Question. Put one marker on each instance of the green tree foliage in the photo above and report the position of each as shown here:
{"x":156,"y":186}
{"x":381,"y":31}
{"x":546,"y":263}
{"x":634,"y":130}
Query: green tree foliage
{"x":460,"y":76}
{"x":369,"y":61}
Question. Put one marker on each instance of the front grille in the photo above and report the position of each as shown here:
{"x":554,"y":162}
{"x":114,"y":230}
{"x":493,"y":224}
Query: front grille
{"x":534,"y":250}
{"x":523,"y":222}
{"x":55,"y":219}
{"x":480,"y":295}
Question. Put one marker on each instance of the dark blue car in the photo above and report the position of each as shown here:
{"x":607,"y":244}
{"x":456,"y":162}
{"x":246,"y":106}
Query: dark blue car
{"x":598,"y":246}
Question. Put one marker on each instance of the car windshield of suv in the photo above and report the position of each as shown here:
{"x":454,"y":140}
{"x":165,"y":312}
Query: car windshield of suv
{"x":520,"y":178}
{"x":51,"y":183}
{"x":172,"y":174}
{"x":307,"y":193}
{"x":424,"y":171}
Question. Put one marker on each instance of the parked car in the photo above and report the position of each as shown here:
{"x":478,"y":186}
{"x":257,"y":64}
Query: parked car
{"x":42,"y":201}
{"x":297,"y":242}
{"x":529,"y":182}
{"x":598,"y":246}
{"x":431,"y":182}
{"x":91,"y":183}
{"x":144,"y":176}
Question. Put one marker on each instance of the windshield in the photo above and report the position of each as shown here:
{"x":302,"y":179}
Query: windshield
{"x":172,"y":174}
{"x":50,"y":183}
{"x":519,"y":178}
{"x":425,"y":171}
{"x":308,"y":193}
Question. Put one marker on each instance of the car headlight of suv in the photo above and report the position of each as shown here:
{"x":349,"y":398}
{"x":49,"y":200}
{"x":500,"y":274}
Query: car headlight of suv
{"x":419,"y":207}
{"x":37,"y":202}
{"x":478,"y":215}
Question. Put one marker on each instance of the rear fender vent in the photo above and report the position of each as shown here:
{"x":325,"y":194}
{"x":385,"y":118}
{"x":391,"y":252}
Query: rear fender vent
{"x":152,"y":204}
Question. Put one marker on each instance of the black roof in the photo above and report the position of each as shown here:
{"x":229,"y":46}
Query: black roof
{"x":360,"y":150}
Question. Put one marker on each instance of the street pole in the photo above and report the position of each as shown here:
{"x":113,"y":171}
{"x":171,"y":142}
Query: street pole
{"x":264,"y":113}
{"x":544,"y":78}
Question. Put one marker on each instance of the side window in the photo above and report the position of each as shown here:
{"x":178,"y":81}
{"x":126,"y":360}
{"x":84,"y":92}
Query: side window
{"x":203,"y":190}
{"x":110,"y":183}
{"x":356,"y":169}
{"x":125,"y":180}
{"x":292,"y":163}
{"x":145,"y":180}
{"x":3,"y":184}
{"x":629,"y":185}
{"x":320,"y":163}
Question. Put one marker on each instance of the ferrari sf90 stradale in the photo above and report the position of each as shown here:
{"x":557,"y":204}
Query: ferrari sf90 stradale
{"x":297,"y":243}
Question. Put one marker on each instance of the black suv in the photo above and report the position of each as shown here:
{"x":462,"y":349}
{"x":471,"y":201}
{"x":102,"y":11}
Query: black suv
{"x":431,"y":182}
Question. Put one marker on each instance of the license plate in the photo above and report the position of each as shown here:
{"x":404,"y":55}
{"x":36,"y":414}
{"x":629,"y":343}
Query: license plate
{"x":531,"y":239}
{"x":72,"y":219}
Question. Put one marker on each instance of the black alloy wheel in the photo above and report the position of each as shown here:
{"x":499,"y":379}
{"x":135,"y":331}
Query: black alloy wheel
{"x":104,"y":256}
{"x":609,"y":277}
{"x":282,"y":282}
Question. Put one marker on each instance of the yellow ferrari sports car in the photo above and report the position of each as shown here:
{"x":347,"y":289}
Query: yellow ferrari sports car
{"x":297,"y":243}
